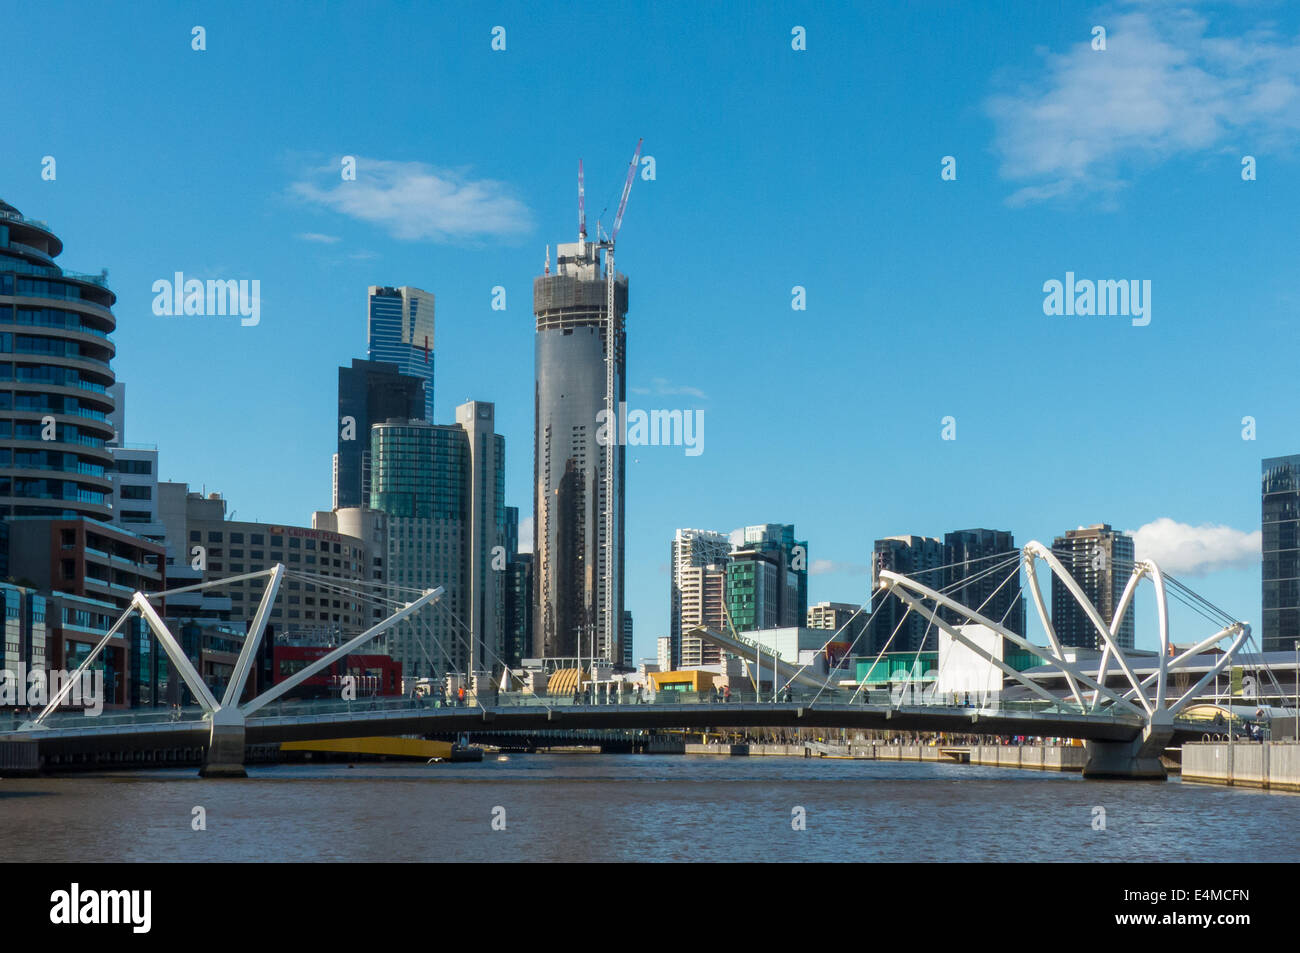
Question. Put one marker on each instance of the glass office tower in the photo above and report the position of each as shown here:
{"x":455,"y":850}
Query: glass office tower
{"x":1280,"y":497}
{"x":400,"y":331}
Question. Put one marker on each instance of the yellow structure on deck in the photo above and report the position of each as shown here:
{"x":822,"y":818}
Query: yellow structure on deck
{"x":415,"y":748}
{"x":564,"y":681}
{"x":691,"y":680}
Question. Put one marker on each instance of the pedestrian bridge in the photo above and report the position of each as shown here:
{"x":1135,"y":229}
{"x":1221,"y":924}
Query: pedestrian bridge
{"x":1127,"y":728}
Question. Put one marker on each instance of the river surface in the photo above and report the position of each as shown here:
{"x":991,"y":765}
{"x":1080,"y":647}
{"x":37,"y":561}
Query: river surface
{"x":575,"y":807}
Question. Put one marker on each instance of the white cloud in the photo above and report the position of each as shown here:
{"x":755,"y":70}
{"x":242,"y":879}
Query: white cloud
{"x":416,"y":202}
{"x":1181,"y":549}
{"x":319,"y":238}
{"x":1164,"y":87}
{"x":821,"y":567}
{"x":663,"y":387}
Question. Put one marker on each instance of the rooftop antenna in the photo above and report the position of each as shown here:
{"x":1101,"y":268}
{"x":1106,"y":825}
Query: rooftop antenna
{"x":582,"y":212}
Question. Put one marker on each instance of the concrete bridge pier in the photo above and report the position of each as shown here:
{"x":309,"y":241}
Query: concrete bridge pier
{"x":1136,"y":760}
{"x":225,"y":758}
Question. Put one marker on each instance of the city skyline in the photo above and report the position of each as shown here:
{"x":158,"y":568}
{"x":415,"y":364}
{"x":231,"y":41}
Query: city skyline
{"x":1028,"y":457}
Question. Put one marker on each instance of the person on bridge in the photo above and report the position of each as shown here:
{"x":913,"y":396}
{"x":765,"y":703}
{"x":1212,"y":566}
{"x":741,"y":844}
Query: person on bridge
{"x":726,"y":693}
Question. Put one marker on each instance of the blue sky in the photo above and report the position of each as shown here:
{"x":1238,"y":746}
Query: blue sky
{"x":774,"y":168}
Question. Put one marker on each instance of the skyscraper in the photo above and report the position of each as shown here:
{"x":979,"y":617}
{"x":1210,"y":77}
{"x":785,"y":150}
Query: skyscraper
{"x":573,"y":510}
{"x":1280,"y":497}
{"x":763,"y":598}
{"x":1101,"y":561}
{"x":443,"y":490}
{"x":703,"y":595}
{"x":893,"y":628}
{"x":967,"y":554}
{"x":401,"y":332}
{"x":56,"y":407}
{"x":691,"y":549}
{"x":369,"y":392}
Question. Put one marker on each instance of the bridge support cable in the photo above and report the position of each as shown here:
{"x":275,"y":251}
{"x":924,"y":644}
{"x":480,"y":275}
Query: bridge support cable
{"x":68,"y":684}
{"x":1213,"y":673}
{"x":1031,"y":572}
{"x":1015,"y":556}
{"x":901,"y":584}
{"x":343,"y":651}
{"x":867,"y":625}
{"x":883,"y":649}
{"x":253,"y":640}
{"x":497,"y":658}
{"x":1036,"y":550}
{"x":979,"y":650}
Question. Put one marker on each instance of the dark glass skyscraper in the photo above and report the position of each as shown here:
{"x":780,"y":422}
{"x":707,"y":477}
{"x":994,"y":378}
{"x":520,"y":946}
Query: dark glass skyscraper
{"x":893,"y":628}
{"x":54,"y":379}
{"x":570,"y":505}
{"x":370,"y":392}
{"x":967,"y":553}
{"x":1280,"y":495}
{"x":1101,"y":561}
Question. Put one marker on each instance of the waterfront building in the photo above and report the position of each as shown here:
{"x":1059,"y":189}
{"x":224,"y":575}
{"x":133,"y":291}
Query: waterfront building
{"x":443,"y":490}
{"x":54,"y":368}
{"x":893,"y":628}
{"x":691,"y":549}
{"x":967,"y":554}
{"x":664,"y":653}
{"x":400,"y":332}
{"x":1100,"y":560}
{"x":627,"y":639}
{"x":24,"y":643}
{"x":1280,"y":503}
{"x":577,"y":501}
{"x":703,"y":595}
{"x":369,"y":392}
{"x":201,"y":537}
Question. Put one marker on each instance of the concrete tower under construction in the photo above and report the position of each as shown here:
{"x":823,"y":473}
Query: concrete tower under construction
{"x":578,"y":506}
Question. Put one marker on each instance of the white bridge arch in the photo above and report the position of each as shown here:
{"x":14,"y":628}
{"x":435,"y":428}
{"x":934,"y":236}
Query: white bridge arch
{"x":1090,"y":694}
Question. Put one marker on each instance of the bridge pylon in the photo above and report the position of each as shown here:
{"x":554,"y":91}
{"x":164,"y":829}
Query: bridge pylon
{"x":228,"y":718}
{"x":1148,"y":699}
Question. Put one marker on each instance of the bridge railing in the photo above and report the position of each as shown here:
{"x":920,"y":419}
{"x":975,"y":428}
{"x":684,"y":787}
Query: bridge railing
{"x":404,"y":705}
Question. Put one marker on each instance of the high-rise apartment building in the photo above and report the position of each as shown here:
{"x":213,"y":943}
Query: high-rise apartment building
{"x":627,"y":639}
{"x":369,"y":392}
{"x":892,"y":626}
{"x":703,"y":596}
{"x":55,"y":405}
{"x":400,"y":332}
{"x":1101,"y":561}
{"x":443,"y":490}
{"x":842,"y":617}
{"x":691,"y":549}
{"x":577,"y":501}
{"x":1280,"y":500}
{"x":968,"y":554}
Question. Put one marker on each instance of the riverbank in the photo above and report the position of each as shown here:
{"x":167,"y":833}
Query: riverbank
{"x":1273,"y":765}
{"x":1033,"y":757}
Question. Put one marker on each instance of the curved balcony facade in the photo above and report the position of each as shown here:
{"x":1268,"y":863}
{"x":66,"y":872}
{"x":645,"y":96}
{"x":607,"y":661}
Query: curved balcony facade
{"x":55,"y":378}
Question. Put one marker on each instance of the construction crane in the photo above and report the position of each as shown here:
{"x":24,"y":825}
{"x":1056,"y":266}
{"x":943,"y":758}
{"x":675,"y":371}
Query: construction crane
{"x":612,"y":625}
